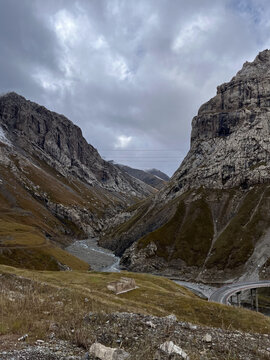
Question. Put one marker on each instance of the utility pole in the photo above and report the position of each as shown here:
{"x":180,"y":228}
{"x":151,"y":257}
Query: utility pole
{"x":238,"y":294}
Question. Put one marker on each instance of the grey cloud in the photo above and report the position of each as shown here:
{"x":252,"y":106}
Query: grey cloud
{"x":138,"y":69}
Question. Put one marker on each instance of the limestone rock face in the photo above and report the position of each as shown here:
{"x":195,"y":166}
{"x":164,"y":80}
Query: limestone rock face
{"x":211,"y":221}
{"x":230,"y":143}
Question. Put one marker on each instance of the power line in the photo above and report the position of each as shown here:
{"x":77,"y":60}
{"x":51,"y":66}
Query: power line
{"x":177,"y":150}
{"x":148,"y":157}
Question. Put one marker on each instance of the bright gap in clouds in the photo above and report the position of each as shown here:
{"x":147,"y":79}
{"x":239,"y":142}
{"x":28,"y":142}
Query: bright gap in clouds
{"x":122,"y":141}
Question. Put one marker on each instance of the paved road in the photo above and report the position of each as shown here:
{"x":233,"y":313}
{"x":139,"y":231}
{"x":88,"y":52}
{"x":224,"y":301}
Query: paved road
{"x":223,"y":294}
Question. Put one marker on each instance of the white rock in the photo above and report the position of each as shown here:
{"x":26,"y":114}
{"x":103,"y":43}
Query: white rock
{"x":170,"y":348}
{"x":151,"y":324}
{"x":3,"y":137}
{"x":106,"y":353}
{"x":40,"y":341}
{"x":207,"y":338}
{"x":23,"y":338}
{"x":171,"y":317}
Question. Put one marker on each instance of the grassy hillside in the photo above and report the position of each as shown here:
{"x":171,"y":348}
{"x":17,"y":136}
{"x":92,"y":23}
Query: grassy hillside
{"x":35,"y":301}
{"x":34,"y":203}
{"x":187,"y":235}
{"x":25,"y":246}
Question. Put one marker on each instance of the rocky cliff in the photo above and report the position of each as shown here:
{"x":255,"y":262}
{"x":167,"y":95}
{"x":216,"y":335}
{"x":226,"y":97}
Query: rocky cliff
{"x":54,"y":186}
{"x":212,"y":220}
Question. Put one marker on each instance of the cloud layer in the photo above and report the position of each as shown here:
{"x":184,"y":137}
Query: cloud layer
{"x":131,"y":74}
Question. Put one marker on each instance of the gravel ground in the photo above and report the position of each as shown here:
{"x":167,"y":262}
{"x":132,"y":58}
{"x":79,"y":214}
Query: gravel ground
{"x":51,"y":350}
{"x":141,"y":336}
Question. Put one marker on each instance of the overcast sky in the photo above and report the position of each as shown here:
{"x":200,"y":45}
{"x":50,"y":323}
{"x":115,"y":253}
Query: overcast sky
{"x":131,"y":73}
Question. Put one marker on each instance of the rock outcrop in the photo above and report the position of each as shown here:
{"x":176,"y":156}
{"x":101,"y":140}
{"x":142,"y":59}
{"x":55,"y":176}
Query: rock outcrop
{"x":212,"y":219}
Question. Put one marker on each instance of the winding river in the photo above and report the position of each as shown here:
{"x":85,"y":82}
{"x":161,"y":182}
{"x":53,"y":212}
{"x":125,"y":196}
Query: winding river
{"x":99,"y":258}
{"x":102,"y":259}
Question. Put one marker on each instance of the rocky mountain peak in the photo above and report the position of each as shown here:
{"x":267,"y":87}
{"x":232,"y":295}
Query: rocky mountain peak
{"x":57,"y":141}
{"x":260,"y":67}
{"x":230,"y":135}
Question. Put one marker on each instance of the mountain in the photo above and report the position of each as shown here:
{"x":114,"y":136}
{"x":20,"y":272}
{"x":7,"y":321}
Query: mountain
{"x":54,"y":186}
{"x":212,"y":220}
{"x":159,"y":174}
{"x":149,"y":177}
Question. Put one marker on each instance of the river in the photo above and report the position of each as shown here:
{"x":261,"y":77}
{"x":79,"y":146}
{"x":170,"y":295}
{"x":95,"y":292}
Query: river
{"x":102,"y":259}
{"x":98,"y":258}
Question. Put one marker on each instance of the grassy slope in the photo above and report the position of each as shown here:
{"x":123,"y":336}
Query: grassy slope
{"x":25,"y":246}
{"x":236,"y":243}
{"x":26,"y":221}
{"x":60,"y":297}
{"x":187,"y":235}
{"x":240,"y":217}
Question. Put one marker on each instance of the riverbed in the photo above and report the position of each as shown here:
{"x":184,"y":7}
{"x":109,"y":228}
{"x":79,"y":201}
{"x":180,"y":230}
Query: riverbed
{"x":98,"y":258}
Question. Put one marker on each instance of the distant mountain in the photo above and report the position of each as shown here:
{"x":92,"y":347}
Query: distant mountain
{"x":154,"y":178}
{"x":54,"y":186}
{"x":159,"y":174}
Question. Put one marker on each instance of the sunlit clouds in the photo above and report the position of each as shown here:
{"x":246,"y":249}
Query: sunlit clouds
{"x":122,"y":141}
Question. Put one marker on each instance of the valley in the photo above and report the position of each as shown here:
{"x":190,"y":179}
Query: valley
{"x":73,"y":224}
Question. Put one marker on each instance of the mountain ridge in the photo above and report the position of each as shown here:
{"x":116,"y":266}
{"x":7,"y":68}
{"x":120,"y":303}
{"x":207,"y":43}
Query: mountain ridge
{"x":146,"y":176}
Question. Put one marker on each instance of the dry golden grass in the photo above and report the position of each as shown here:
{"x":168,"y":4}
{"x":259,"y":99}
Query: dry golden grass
{"x":15,"y":234}
{"x":59,"y":297}
{"x":25,"y":246}
{"x":26,"y":220}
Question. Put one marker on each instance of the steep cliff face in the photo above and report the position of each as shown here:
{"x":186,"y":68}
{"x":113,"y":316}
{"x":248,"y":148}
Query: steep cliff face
{"x":230,"y":143}
{"x":212,"y":219}
{"x":54,"y":186}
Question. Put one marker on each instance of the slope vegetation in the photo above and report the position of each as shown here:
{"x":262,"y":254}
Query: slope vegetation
{"x":66,"y":297}
{"x":54,"y":187}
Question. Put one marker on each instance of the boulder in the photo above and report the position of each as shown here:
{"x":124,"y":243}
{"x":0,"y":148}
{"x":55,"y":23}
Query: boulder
{"x":171,"y":351}
{"x":102,"y":352}
{"x":207,"y":338}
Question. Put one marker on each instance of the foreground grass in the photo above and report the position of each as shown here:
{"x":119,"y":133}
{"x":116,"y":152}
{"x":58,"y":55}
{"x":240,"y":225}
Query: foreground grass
{"x":38,"y":302}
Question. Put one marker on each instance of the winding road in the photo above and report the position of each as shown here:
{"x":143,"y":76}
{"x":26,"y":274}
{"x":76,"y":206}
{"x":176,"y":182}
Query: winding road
{"x":223,"y":294}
